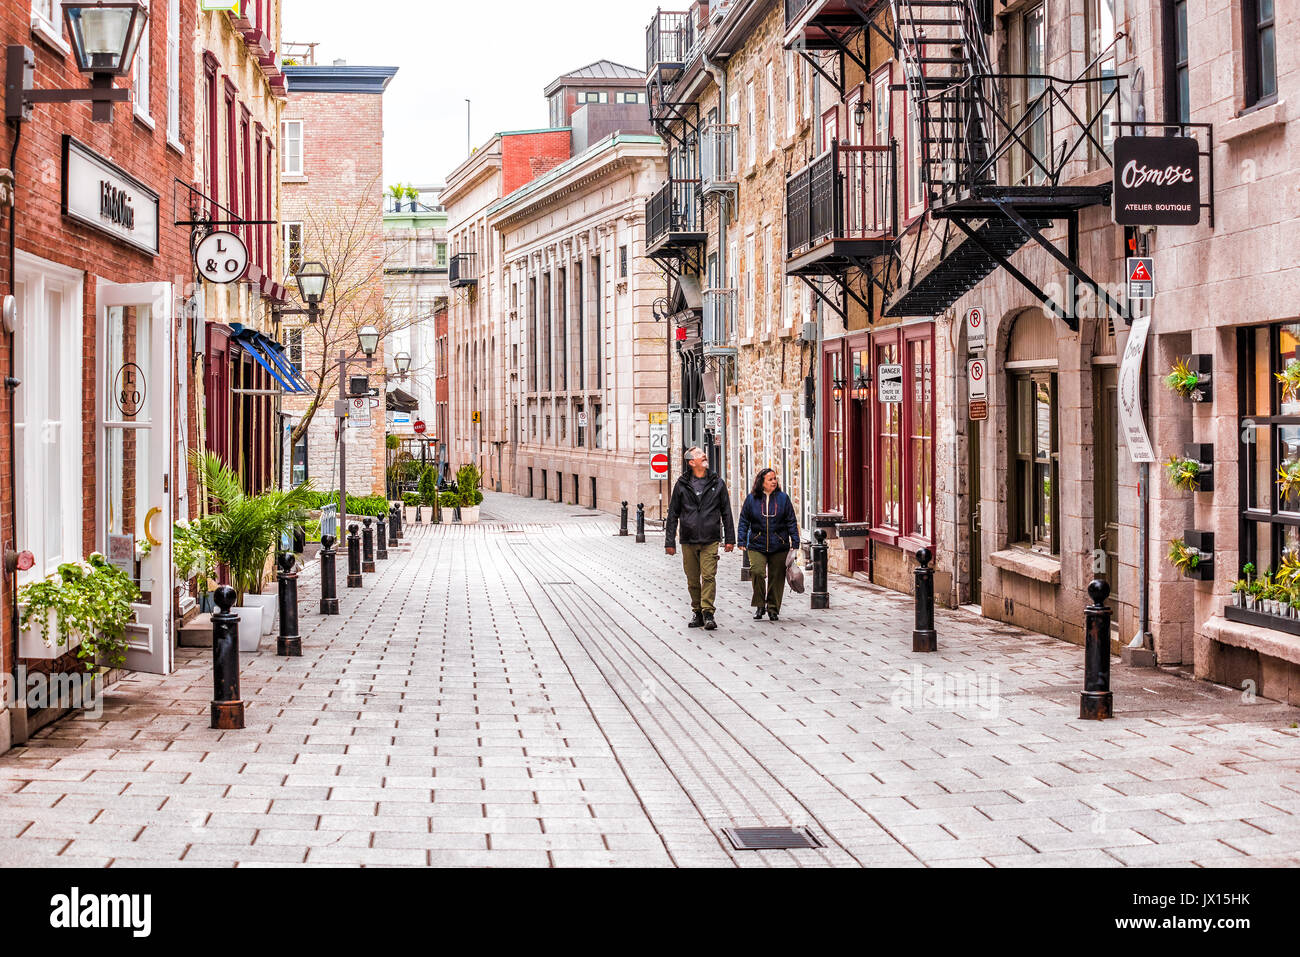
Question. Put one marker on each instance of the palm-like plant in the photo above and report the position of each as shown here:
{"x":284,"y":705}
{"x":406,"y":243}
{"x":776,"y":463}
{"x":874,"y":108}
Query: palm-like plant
{"x":247,"y":527}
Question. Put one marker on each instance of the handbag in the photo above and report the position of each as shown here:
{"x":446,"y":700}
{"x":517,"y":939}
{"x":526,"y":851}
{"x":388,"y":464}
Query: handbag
{"x":793,"y":573}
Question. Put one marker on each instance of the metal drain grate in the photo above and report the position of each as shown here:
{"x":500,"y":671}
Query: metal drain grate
{"x":770,"y":838}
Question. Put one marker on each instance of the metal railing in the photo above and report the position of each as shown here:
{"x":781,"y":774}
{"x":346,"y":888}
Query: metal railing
{"x":846,"y":193}
{"x":719,"y":321}
{"x":462,"y":268}
{"x":675,"y":208}
{"x":1037,"y":142}
{"x":669,"y":39}
{"x":718,"y":157}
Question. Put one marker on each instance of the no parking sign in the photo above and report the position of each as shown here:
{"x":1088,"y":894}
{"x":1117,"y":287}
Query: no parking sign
{"x":978,"y":379}
{"x":975,"y":330}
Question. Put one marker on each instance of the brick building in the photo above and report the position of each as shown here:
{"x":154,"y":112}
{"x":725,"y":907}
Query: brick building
{"x":99,"y":280}
{"x":333,"y":212}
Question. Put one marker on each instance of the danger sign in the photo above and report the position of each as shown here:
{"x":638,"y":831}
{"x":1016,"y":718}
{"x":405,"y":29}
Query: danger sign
{"x":978,"y":381}
{"x":975,"y":330}
{"x":1141,"y":278}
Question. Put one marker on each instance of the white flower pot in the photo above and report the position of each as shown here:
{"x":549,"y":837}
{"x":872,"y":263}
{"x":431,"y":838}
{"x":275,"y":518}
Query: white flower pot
{"x":31,"y":646}
{"x":250,"y":625}
{"x":269,"y":602}
{"x":469,"y":514}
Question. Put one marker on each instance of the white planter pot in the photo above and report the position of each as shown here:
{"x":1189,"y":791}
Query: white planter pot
{"x":250,"y":625}
{"x":469,"y":514}
{"x":269,"y":602}
{"x":31,"y":646}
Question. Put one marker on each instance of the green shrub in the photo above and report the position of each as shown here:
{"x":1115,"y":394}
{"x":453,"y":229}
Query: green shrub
{"x":449,"y":500}
{"x":393,"y":442}
{"x":428,"y":487}
{"x":411,"y":499}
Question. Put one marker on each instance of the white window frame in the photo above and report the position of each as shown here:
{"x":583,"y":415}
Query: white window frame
{"x":767,"y":435}
{"x":293,"y":345}
{"x":769,"y":281}
{"x":32,"y":340}
{"x":174,"y":74}
{"x":142,"y":77}
{"x":286,"y":231}
{"x":287,"y":154}
{"x":751,"y":126}
{"x":49,"y":27}
{"x":771,"y":108}
{"x":787,"y":446}
{"x":750,"y":324}
{"x":791,"y":111}
{"x":809,"y":78}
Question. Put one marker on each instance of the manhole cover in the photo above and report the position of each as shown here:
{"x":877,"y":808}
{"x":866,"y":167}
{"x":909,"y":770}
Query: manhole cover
{"x":770,"y":838}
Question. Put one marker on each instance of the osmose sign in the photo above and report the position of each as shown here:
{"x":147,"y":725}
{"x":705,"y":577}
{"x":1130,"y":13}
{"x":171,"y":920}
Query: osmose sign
{"x":106,"y":197}
{"x":1157,"y":181}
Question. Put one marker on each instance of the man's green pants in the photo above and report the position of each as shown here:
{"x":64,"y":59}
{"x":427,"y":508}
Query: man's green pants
{"x":701,"y":564}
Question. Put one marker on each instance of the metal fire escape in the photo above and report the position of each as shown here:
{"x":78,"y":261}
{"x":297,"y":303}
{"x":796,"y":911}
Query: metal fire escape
{"x":994,"y":179}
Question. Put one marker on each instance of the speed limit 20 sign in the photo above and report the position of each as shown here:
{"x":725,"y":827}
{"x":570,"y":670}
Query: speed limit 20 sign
{"x":221,"y":257}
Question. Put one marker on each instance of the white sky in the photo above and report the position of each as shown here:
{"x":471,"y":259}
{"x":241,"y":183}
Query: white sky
{"x":499,"y":53}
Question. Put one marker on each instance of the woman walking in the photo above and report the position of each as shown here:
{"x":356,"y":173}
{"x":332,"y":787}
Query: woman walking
{"x":767,"y":531}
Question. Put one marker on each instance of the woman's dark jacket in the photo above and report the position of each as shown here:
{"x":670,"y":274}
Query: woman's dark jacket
{"x":767,"y":523}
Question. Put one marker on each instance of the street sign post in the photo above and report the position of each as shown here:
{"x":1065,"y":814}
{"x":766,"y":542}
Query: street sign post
{"x":659,"y":446}
{"x":1141,"y":278}
{"x":889,"y":383}
{"x":978,"y":385}
{"x":975,"y":339}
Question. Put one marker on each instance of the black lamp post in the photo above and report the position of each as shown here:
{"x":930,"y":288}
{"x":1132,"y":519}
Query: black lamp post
{"x":104,"y":40}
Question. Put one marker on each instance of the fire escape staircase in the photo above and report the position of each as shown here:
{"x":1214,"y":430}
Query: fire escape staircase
{"x":968,"y":143}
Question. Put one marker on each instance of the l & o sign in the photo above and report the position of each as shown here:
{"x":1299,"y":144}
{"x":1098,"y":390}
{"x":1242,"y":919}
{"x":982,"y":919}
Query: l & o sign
{"x":222,"y":257}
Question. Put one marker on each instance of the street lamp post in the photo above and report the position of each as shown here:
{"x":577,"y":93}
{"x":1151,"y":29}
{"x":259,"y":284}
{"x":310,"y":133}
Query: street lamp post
{"x":368,"y":340}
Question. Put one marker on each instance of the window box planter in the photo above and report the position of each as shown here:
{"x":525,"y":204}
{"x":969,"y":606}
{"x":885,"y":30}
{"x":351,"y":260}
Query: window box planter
{"x":1202,"y":367}
{"x":1202,"y":545}
{"x":32,"y":647}
{"x":828,"y":522}
{"x":1263,"y":619}
{"x":853,"y":534}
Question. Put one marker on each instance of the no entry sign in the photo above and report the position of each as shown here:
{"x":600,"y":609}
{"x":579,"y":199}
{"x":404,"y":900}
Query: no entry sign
{"x":659,"y":465}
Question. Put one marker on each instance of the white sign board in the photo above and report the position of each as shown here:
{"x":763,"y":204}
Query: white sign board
{"x":359,"y":413}
{"x":659,"y":445}
{"x":975,"y":338}
{"x":977,"y":378}
{"x":582,"y":420}
{"x":1130,"y":393}
{"x":889,"y":383}
{"x":221,"y":257}
{"x":101,"y":195}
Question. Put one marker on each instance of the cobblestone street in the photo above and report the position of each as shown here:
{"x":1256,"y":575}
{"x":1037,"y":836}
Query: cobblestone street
{"x":526,"y":693}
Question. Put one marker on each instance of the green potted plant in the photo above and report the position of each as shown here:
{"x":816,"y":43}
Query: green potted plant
{"x":1239,"y":590}
{"x":1192,"y":561}
{"x":1185,"y":381}
{"x":1184,"y":473}
{"x":87,"y":605}
{"x":194,"y":558}
{"x":245,"y":530}
{"x":1288,"y":482}
{"x":1290,"y":379}
{"x":468,"y":478}
{"x":427,"y":489}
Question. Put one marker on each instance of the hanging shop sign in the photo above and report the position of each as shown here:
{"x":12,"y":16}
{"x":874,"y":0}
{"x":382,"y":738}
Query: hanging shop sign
{"x":221,"y":257}
{"x":1157,"y":181}
{"x":106,"y":197}
{"x":1130,"y":393}
{"x":1141,"y":278}
{"x":975,"y":330}
{"x":889,"y":383}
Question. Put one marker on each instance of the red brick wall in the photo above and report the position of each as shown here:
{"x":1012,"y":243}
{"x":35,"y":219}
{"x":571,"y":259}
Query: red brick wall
{"x":42,"y":230}
{"x":526,"y":156}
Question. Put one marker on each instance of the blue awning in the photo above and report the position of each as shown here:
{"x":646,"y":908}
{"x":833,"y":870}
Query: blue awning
{"x":253,"y":343}
{"x":275,"y":352}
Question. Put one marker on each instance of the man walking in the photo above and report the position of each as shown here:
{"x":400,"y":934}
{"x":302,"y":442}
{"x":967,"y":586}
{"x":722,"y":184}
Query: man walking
{"x":702,"y":507}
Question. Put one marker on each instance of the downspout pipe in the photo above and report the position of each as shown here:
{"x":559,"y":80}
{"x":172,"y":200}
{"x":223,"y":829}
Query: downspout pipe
{"x":11,"y":385}
{"x":724,"y":210}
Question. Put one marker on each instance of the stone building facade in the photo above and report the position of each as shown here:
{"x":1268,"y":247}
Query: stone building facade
{"x":583,"y":358}
{"x":333,"y":212}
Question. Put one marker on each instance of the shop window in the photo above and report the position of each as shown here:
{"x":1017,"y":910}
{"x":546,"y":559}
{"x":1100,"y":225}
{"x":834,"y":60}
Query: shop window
{"x":1034,"y":434}
{"x":293,"y":346}
{"x":299,"y":469}
{"x":889,"y":451}
{"x":48,"y":416}
{"x":903,"y":503}
{"x":832,"y":416}
{"x":1270,"y":435}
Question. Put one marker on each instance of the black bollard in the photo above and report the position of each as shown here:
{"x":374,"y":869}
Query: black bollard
{"x":299,"y":540}
{"x":395,"y":525}
{"x":419,"y":513}
{"x":924,"y":637}
{"x":820,"y":556}
{"x":640,"y":523}
{"x":227,"y":708}
{"x":329,"y":585}
{"x":367,"y":546}
{"x":746,"y":571}
{"x":455,"y":515}
{"x":1096,"y":701}
{"x":289,"y":645}
{"x":354,"y":557}
{"x":381,"y":539}
{"x":622,"y":522}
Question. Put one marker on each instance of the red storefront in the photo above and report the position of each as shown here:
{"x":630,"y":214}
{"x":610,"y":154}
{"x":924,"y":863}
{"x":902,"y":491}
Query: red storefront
{"x":878,"y":440}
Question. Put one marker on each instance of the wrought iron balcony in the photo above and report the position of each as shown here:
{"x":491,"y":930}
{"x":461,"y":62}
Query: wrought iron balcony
{"x":841,"y":209}
{"x":719,"y":322}
{"x":673,"y":218}
{"x":462,"y":270}
{"x":718,"y":158}
{"x":669,"y":41}
{"x":827,"y":24}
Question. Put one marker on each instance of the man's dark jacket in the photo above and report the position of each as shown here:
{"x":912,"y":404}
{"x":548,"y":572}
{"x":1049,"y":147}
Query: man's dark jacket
{"x":703,"y":518}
